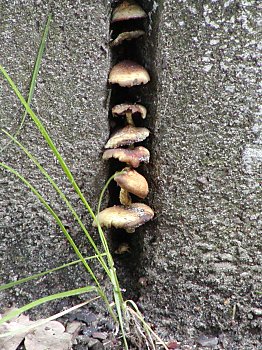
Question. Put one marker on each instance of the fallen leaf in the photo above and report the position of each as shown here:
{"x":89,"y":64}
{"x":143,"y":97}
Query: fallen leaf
{"x":50,"y":336}
{"x":12,"y":342}
{"x":73,"y":328}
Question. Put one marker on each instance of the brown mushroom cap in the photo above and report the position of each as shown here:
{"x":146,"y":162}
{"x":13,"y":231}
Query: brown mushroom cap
{"x":127,"y":218}
{"x":127,"y":136}
{"x":133,"y":182}
{"x":134,"y":34}
{"x":122,"y":248}
{"x":132,"y":157}
{"x":128,"y":73}
{"x":124,"y":108}
{"x":128,"y":9}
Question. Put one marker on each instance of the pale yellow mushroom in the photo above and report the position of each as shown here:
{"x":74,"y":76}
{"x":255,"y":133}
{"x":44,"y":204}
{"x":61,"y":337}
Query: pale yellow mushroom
{"x":128,"y":73}
{"x":132,"y":157}
{"x":127,"y":10}
{"x":131,"y":181}
{"x":123,"y":217}
{"x":127,"y":136}
{"x":128,"y":110}
{"x":134,"y":34}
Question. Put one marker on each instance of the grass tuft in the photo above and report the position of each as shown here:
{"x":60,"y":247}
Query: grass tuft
{"x":120,"y":310}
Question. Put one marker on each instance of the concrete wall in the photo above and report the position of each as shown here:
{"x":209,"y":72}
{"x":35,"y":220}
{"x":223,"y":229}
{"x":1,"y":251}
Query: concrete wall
{"x":201,"y":256}
{"x":70,"y":99}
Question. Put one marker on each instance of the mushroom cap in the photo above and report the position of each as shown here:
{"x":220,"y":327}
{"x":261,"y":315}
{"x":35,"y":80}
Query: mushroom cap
{"x":127,"y":218}
{"x":134,"y":34}
{"x":133,"y":182}
{"x":130,"y":156}
{"x":128,"y":9}
{"x":128,"y":73}
{"x":127,"y":136}
{"x":122,"y":248}
{"x":124,"y":108}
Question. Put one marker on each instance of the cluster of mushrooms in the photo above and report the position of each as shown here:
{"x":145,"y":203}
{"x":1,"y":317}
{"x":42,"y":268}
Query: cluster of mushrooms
{"x":121,"y":144}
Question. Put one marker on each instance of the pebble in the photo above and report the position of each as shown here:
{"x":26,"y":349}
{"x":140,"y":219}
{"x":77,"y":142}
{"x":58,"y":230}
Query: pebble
{"x":88,"y":330}
{"x":205,"y":341}
{"x":99,"y":335}
{"x":95,"y":344}
{"x":257,"y":311}
{"x":87,"y":317}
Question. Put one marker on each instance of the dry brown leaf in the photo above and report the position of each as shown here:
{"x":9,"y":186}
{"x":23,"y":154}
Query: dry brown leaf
{"x":48,"y":336}
{"x":51,"y":336}
{"x":12,"y":342}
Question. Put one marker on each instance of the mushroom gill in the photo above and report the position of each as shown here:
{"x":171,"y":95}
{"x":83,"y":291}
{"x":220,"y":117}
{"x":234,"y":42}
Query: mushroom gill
{"x":125,"y":217}
{"x":132,"y":157}
{"x":127,"y":136}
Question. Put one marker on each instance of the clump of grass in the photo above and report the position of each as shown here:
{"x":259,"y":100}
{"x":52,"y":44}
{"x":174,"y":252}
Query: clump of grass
{"x":124,"y":313}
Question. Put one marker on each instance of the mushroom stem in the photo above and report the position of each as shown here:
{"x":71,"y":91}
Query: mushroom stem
{"x":124,"y":197}
{"x":129,"y":118}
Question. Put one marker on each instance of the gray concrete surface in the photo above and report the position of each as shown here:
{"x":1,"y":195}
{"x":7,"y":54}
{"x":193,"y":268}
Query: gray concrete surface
{"x":70,"y":99}
{"x":201,"y":256}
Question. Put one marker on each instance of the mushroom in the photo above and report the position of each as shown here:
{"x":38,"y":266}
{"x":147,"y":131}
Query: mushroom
{"x":128,"y":73}
{"x":130,"y":156}
{"x":131,"y":181}
{"x":122,"y":248}
{"x":122,"y":217}
{"x":134,"y":34}
{"x":128,"y":110}
{"x":128,"y":9}
{"x":127,"y":136}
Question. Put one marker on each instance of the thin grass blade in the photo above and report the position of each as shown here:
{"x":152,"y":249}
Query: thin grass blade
{"x":41,"y":274}
{"x":55,"y":216}
{"x":43,"y":300}
{"x":34,"y":77}
{"x":64,"y":198}
{"x":66,"y":233}
{"x":41,"y":322}
{"x":49,"y":141}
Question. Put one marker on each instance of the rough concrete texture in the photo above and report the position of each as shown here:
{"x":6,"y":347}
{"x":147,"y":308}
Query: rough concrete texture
{"x":70,"y":99}
{"x":201,"y":256}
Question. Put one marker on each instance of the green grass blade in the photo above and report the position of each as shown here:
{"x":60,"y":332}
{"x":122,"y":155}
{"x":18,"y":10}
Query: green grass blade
{"x":68,"y":236}
{"x":55,"y":216}
{"x":64,"y":198}
{"x":135,"y":311}
{"x":49,"y":141}
{"x":41,"y":322}
{"x":41,"y":274}
{"x":118,"y":298}
{"x":100,"y":231}
{"x":43,"y":300}
{"x":34,"y":78}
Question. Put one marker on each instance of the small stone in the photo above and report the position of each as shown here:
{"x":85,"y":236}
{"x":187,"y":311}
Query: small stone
{"x":87,"y":317}
{"x":205,"y":341}
{"x":99,"y":335}
{"x":256,"y":311}
{"x":92,"y":342}
{"x":110,"y":326}
{"x":73,"y":328}
{"x":89,"y":330}
{"x":83,"y":339}
{"x":202,"y":180}
{"x":95,"y":344}
{"x":173,"y":345}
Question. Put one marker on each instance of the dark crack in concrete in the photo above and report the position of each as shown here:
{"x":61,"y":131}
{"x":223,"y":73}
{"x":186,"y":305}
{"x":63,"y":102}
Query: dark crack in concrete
{"x":201,"y":256}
